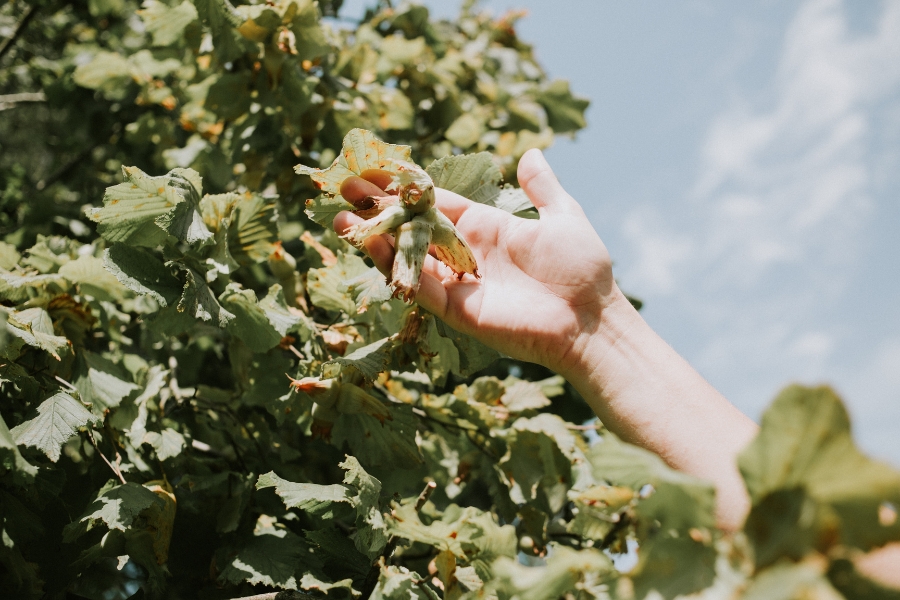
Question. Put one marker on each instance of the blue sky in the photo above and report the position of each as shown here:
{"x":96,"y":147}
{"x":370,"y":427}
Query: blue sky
{"x":742,"y":164}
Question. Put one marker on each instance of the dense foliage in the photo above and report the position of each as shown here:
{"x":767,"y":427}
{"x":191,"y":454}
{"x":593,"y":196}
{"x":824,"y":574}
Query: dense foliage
{"x":205,"y":393}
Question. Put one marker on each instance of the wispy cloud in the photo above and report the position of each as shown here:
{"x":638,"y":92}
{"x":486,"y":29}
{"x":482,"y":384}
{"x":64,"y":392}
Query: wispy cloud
{"x":785,"y":187}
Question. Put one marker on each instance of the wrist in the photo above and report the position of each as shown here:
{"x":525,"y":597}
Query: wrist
{"x":606,"y":327}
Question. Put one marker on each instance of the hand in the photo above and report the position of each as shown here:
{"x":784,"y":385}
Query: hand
{"x":544,"y":283}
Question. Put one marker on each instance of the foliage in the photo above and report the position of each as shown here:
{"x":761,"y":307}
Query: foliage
{"x":159,"y":279}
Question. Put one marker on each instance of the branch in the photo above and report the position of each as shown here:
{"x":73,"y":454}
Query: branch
{"x":11,"y":100}
{"x":114,"y":468}
{"x":20,"y":29}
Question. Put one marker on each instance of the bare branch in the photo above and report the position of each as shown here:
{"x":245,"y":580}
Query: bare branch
{"x":20,"y":28}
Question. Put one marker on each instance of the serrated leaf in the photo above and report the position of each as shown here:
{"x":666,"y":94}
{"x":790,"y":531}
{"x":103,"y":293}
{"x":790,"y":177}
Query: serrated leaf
{"x":565,"y":112}
{"x":805,"y":443}
{"x":371,"y":531}
{"x":536,"y":467}
{"x":119,"y":505}
{"x":473,"y":355}
{"x":469,"y":533}
{"x":9,"y":256}
{"x":522,"y":395}
{"x":142,"y":272}
{"x":370,"y":360}
{"x":282,"y":319}
{"x":198,"y":300}
{"x":272,"y":556}
{"x":101,"y":383}
{"x":34,"y":327}
{"x":253,"y":229}
{"x":396,"y":583}
{"x":59,"y":417}
{"x":144,"y":210}
{"x":167,"y":23}
{"x":168,"y":443}
{"x":221,"y":17}
{"x":367,"y":288}
{"x":93,"y":279}
{"x":464,"y":174}
{"x":324,"y":284}
{"x":340,"y":551}
{"x":311,"y":497}
{"x":567,"y":570}
{"x":250,"y":324}
{"x":392,"y":443}
{"x":361,"y":151}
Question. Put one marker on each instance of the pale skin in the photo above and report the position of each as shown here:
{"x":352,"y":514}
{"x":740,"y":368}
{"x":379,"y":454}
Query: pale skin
{"x":547,"y":295}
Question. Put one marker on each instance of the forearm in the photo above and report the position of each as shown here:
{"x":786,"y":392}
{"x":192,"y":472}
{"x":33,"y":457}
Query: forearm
{"x":645,"y":393}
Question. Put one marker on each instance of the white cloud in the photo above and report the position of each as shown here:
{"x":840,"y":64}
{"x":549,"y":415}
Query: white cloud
{"x":785,"y":193}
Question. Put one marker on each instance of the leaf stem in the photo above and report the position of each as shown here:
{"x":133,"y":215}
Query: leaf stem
{"x":114,"y":468}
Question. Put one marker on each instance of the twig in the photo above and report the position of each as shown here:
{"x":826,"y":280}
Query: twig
{"x":20,"y":29}
{"x":593,"y":427}
{"x":106,"y":460}
{"x":425,"y":495}
{"x":8,"y":101}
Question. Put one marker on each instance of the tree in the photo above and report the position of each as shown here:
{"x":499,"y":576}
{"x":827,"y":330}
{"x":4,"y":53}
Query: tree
{"x":207,"y":393}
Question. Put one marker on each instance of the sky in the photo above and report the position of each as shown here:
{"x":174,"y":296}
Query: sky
{"x":742,"y":164}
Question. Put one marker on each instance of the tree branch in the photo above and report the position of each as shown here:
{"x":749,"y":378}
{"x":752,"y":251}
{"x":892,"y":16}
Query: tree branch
{"x":20,"y":29}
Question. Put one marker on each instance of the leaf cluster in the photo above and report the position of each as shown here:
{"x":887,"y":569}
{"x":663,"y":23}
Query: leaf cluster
{"x":205,"y":393}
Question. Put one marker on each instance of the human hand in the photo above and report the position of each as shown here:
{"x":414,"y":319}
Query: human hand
{"x":544,"y":283}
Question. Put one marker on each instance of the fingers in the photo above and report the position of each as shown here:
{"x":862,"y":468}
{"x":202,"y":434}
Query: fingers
{"x":542,"y":186}
{"x":376,"y":246}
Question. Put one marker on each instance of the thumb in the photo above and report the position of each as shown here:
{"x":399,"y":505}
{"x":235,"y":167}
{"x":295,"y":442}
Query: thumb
{"x":541,"y":185}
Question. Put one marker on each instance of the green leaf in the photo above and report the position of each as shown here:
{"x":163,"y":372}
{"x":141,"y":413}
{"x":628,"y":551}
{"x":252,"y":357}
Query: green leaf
{"x":144,"y":210}
{"x":392,"y":443}
{"x":117,"y":506}
{"x":198,"y":300}
{"x":679,"y":501}
{"x":253,"y":229}
{"x":340,"y":551}
{"x":34,"y":327}
{"x":323,"y":209}
{"x":362,"y":150}
{"x":371,"y":531}
{"x":366,"y":289}
{"x":311,"y":497}
{"x":520,"y":395}
{"x":11,"y":459}
{"x":465,"y":174}
{"x":566,"y":571}
{"x":92,"y":279}
{"x":168,"y":443}
{"x":805,"y":444}
{"x":324,"y":284}
{"x":399,"y":583}
{"x":536,"y":467}
{"x":273,"y":556}
{"x":228,"y":96}
{"x":369,"y":361}
{"x":469,"y":533}
{"x":166,"y":23}
{"x":251,"y":323}
{"x":789,"y":582}
{"x":673,"y":567}
{"x":221,"y":17}
{"x":565,"y":112}
{"x":473,"y":355}
{"x":104,"y":68}
{"x":101,"y":383}
{"x":142,"y":272}
{"x":465,"y":131}
{"x":59,"y":417}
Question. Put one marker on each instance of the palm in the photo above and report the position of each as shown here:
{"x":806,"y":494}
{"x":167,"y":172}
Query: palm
{"x":544,"y":282}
